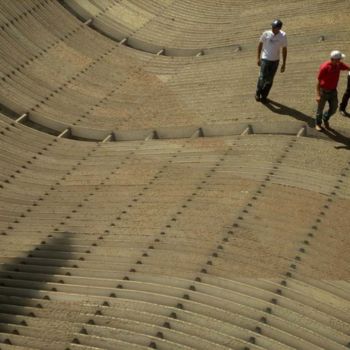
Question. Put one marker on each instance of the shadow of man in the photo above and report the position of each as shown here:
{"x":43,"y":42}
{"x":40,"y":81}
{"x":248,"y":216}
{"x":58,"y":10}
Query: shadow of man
{"x":334,"y":135}
{"x":338,"y":137}
{"x":279,"y":108}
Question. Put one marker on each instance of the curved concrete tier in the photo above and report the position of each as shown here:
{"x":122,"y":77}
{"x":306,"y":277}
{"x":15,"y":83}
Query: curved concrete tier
{"x":63,"y":130}
{"x":65,"y":71}
{"x":225,"y":243}
{"x":214,"y":225}
{"x":189,"y":26}
{"x":105,"y":18}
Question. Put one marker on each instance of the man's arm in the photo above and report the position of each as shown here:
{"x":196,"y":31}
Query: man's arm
{"x":259,"y":52}
{"x":322,"y":73}
{"x":284,"y":58}
{"x":344,"y":66}
{"x":318,"y":91}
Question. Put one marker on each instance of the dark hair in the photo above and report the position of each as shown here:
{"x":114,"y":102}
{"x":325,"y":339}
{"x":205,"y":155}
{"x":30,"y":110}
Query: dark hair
{"x":277,"y":23}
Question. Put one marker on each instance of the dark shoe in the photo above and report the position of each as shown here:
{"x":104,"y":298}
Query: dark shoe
{"x":257,"y":98}
{"x":264,"y":100}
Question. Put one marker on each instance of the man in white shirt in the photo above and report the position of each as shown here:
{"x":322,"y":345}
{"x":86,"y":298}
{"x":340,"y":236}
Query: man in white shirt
{"x":270,"y":43}
{"x":345,"y":99}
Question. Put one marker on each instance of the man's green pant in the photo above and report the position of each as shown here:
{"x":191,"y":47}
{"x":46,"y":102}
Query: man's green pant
{"x":330,"y":96}
{"x":268,"y":70}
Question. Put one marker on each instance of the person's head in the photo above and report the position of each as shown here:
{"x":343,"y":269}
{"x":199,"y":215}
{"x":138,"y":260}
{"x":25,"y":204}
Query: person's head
{"x":336,"y":56}
{"x":276,"y":26}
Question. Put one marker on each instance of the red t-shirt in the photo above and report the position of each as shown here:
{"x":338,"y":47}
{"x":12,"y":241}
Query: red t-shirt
{"x":328,"y":75}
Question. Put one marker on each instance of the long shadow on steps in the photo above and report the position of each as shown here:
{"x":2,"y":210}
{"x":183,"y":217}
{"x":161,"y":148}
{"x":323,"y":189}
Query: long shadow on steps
{"x":338,"y":137}
{"x":279,"y":108}
{"x":24,"y":289}
{"x":334,"y":135}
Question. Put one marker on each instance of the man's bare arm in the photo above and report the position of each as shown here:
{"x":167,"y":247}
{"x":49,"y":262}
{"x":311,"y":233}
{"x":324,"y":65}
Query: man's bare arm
{"x":259,"y":52}
{"x":284,"y":58}
{"x":318,"y":91}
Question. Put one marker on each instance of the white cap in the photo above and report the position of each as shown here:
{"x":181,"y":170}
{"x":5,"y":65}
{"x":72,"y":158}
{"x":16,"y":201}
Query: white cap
{"x":337,"y":55}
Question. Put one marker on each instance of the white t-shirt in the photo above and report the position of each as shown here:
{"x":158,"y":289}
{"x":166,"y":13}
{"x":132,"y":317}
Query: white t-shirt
{"x":272,"y":44}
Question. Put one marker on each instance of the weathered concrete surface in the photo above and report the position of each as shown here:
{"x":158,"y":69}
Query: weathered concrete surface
{"x":235,"y":242}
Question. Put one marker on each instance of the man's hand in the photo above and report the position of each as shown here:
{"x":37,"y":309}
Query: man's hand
{"x":259,"y":62}
{"x":318,"y":98}
{"x":283,"y":68}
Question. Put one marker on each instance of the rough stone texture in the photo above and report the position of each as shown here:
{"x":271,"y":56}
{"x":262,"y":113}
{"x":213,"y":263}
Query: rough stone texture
{"x":231,"y":242}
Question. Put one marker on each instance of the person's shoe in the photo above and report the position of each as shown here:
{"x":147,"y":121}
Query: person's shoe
{"x":326,"y":124}
{"x":257,"y":98}
{"x":264,"y":100}
{"x":318,"y":127}
{"x":343,"y":113}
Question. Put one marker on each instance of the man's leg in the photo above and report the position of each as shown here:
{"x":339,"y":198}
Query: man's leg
{"x":261,"y":80}
{"x":346,"y":96}
{"x":332,"y":98}
{"x":271,"y":71}
{"x":320,"y":108}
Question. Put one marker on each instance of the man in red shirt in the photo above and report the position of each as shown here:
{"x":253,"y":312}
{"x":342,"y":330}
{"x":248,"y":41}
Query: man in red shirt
{"x":326,"y":89}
